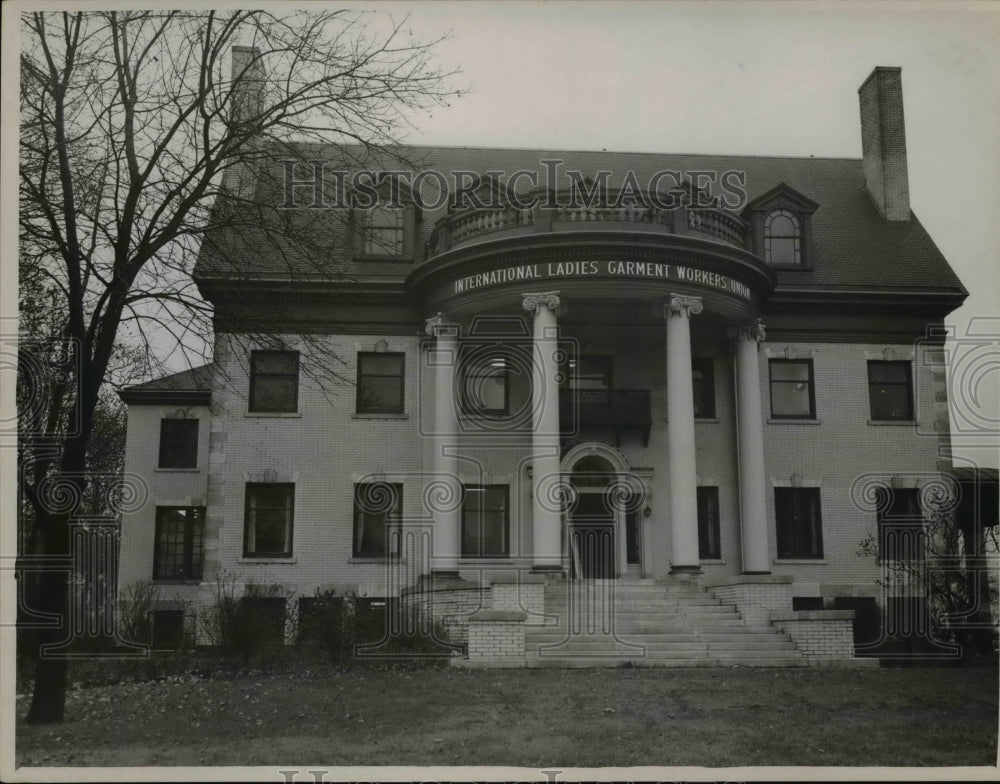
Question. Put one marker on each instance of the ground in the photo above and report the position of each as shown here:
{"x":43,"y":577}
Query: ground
{"x":532,"y":718}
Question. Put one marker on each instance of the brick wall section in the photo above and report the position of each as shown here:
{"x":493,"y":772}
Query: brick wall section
{"x":756,"y":601}
{"x":823,"y":634}
{"x":496,"y":636}
{"x":527,"y":597}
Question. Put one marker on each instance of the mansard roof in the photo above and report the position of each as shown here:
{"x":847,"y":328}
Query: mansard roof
{"x":854,"y":248}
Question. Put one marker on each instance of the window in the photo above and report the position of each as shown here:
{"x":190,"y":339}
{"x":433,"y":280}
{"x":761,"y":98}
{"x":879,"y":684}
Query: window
{"x":178,"y":443}
{"x":703,"y":381}
{"x":900,"y":525}
{"x":274,"y":381}
{"x":890,"y":390}
{"x":380,"y":383}
{"x":178,"y":546}
{"x":800,"y":529}
{"x":782,"y":239}
{"x":486,"y":386}
{"x":268,"y":524}
{"x":384,"y":232}
{"x":792,"y":395}
{"x":378,"y":507}
{"x":708,"y":523}
{"x":484,"y":521}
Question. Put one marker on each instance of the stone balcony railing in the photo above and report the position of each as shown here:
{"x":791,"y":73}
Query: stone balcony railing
{"x":478,"y":224}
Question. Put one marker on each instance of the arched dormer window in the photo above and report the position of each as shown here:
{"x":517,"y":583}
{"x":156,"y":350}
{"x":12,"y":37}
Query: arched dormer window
{"x":781,"y":228}
{"x":384,"y":225}
{"x":782,"y":239}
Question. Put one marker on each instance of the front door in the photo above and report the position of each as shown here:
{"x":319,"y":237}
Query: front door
{"x":593,"y":532}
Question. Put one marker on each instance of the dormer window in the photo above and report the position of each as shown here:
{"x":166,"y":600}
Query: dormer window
{"x":782,"y":239}
{"x":781,"y":227}
{"x":384,"y":226}
{"x":384,"y":232}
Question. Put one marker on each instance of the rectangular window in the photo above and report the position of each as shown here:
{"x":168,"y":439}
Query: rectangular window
{"x":485,"y":521}
{"x":792,"y":394}
{"x":703,"y":381}
{"x":378,"y":508}
{"x":384,"y":232}
{"x":900,"y":525}
{"x":485,"y":386}
{"x":274,"y":381}
{"x":708,"y":523}
{"x":268,"y":523}
{"x":177,"y":552}
{"x":890,"y":390}
{"x":178,"y":443}
{"x":380,"y":383}
{"x":800,"y":527}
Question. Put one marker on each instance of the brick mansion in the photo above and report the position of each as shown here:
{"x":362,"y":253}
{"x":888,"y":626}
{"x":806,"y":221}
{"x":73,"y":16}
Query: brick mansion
{"x":682,"y":400}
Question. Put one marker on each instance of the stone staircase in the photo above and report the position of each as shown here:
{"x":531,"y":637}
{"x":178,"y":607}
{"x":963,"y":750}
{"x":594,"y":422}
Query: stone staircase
{"x":610,"y":623}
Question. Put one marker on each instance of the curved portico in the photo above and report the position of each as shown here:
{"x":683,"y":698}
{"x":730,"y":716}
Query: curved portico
{"x":640,"y":272}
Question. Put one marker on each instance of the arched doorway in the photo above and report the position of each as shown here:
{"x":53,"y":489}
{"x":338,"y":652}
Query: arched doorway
{"x":603,"y":519}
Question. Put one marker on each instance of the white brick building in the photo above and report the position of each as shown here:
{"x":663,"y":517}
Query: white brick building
{"x":647,"y":385}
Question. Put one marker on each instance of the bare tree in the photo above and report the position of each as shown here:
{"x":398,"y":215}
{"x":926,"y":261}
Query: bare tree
{"x":138,"y":139}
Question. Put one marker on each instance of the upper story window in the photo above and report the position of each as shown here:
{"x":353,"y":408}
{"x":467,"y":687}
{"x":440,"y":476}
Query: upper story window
{"x":782,"y":239}
{"x":890,"y":390}
{"x":274,"y":381}
{"x":380,"y":383}
{"x":781,"y":227}
{"x":178,"y":443}
{"x":384,"y":232}
{"x":485,"y":388}
{"x":792,"y":390}
{"x":384,"y":223}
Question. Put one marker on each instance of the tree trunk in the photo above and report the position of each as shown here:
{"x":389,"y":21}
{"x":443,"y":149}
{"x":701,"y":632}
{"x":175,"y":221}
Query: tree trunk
{"x":48,"y":701}
{"x":50,"y":597}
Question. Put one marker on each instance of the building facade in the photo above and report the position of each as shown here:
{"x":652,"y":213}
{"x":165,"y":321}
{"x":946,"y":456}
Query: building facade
{"x":708,"y":370}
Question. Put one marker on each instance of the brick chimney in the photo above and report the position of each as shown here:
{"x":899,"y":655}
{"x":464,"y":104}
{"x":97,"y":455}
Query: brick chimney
{"x":248,"y":82}
{"x":883,"y":143}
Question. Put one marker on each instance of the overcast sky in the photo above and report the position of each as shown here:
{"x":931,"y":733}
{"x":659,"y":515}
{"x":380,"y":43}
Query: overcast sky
{"x":749,"y":78}
{"x":776,"y":78}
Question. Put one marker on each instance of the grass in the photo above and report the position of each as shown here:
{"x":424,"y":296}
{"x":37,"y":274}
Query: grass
{"x":562,"y":718}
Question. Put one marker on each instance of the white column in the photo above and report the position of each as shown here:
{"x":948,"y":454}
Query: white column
{"x":750,"y":429}
{"x":546,"y":509}
{"x":680,"y":433}
{"x":443,"y":490}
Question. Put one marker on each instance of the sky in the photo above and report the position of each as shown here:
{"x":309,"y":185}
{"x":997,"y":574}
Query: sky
{"x":776,"y":78}
{"x":760,"y":79}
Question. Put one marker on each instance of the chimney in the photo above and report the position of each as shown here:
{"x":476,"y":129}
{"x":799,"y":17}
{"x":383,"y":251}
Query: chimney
{"x":248,"y":82}
{"x":883,"y":143}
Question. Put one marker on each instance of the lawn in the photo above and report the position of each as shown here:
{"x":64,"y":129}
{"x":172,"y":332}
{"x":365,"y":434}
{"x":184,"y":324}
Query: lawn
{"x":562,"y":718}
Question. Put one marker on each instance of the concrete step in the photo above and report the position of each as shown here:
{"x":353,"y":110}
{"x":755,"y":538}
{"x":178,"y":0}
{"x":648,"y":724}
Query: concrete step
{"x":599,"y":661}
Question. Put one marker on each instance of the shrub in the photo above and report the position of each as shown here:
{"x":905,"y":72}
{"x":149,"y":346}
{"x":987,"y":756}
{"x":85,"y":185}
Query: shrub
{"x":135,"y":612}
{"x":245,"y":625}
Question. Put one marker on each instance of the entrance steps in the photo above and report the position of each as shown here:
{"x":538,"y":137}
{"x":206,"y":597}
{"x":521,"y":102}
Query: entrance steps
{"x":613,"y":623}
